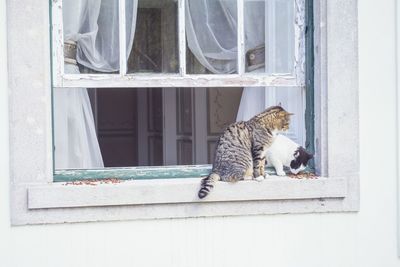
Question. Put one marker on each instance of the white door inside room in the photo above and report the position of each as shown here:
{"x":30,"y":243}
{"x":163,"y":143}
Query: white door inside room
{"x":162,"y":126}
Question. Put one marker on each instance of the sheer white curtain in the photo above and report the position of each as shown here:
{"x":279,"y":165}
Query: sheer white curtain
{"x":93,"y":26}
{"x":211,"y":33}
{"x":211,"y":29}
{"x":253,"y":98}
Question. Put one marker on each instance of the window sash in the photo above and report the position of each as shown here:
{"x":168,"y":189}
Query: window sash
{"x":182,"y":79}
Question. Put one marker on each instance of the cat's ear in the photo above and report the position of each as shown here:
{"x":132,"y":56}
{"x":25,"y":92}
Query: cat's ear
{"x":296,"y":153}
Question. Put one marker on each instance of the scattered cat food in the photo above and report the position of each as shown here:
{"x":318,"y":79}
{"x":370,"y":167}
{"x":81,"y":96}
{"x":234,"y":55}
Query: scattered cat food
{"x":303,"y":175}
{"x":95,"y":181}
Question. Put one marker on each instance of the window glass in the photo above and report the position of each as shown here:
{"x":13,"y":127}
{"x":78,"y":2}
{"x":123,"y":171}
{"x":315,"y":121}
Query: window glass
{"x":211,"y":31}
{"x":91,"y":36}
{"x":269,"y":27}
{"x":155,"y":45}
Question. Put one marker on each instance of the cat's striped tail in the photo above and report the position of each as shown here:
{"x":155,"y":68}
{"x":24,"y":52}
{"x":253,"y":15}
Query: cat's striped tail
{"x":207,"y":184}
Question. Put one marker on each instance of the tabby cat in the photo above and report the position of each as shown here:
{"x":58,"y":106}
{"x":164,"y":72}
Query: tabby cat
{"x":240,"y":151}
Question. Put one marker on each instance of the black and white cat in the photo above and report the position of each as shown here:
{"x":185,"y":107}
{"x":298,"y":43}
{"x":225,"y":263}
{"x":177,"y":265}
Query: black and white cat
{"x":286,"y":152}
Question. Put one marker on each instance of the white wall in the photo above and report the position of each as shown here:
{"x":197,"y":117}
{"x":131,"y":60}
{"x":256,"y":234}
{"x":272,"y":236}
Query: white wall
{"x":367,"y":238}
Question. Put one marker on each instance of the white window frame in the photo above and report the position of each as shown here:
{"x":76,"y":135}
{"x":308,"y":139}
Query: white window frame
{"x":181,"y":79}
{"x":36,"y":199}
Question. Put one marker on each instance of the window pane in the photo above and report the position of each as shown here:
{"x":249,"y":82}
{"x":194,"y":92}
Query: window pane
{"x":155,"y":45}
{"x":139,"y":127}
{"x":269,"y":36}
{"x":124,"y":127}
{"x":211,"y":32}
{"x":91,"y":36}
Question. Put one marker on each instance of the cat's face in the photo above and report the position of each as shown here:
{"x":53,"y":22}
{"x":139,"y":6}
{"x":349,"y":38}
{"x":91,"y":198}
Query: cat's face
{"x":276,"y":118}
{"x":300,"y":161}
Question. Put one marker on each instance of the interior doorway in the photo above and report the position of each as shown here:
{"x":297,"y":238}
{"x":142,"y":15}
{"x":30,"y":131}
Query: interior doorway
{"x":162,"y":126}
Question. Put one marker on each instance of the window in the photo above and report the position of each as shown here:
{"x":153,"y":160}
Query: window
{"x":173,"y":72}
{"x":207,"y":51}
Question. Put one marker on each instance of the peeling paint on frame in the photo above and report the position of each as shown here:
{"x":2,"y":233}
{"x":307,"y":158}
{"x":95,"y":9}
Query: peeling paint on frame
{"x":60,"y":79}
{"x":299,"y":48}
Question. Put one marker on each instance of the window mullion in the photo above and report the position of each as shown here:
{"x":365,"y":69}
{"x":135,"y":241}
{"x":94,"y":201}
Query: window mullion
{"x":182,"y":37}
{"x":58,"y":43}
{"x":299,"y":50}
{"x":240,"y":37}
{"x":122,"y":38}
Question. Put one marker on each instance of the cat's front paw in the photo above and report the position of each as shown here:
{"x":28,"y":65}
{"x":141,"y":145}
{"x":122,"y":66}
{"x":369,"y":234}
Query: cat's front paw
{"x":281,"y":173}
{"x":259,"y":178}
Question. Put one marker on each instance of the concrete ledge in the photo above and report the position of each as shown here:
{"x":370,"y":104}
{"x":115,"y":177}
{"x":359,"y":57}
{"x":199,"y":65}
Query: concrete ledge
{"x":140,"y":192}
